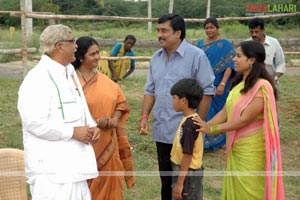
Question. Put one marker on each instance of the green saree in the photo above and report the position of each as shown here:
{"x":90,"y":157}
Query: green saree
{"x":253,"y":152}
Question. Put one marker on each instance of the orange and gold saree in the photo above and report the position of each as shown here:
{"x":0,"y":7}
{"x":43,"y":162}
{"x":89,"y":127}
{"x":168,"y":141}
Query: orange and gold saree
{"x":112,"y":149}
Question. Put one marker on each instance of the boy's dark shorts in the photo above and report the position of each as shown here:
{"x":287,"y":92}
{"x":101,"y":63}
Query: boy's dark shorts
{"x":192,"y":187}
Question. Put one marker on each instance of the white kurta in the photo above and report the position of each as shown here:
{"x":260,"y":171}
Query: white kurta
{"x":51,"y":105}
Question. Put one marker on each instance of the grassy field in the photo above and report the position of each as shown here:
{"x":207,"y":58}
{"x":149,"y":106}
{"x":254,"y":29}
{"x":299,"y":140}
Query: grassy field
{"x":147,"y":181}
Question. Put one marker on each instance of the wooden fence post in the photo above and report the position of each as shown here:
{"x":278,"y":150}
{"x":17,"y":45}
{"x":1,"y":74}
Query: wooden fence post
{"x":24,"y":39}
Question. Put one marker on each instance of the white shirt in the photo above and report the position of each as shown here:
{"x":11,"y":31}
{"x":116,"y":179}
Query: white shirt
{"x":51,"y":105}
{"x":275,"y":61}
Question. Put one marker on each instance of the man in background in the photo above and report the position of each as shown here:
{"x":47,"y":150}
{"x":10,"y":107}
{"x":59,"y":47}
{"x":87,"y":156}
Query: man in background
{"x":275,"y":60}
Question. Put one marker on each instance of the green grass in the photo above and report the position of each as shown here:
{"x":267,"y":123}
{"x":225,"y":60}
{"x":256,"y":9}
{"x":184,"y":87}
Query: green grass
{"x":10,"y":126}
{"x":147,"y":185}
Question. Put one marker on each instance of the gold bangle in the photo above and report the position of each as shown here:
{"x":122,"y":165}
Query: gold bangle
{"x":215,"y":129}
{"x":222,"y":83}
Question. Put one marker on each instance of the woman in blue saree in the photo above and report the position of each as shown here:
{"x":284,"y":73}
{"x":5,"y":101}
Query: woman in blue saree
{"x":220,"y":53}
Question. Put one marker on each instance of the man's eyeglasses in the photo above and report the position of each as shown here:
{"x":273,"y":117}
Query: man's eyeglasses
{"x":72,"y":40}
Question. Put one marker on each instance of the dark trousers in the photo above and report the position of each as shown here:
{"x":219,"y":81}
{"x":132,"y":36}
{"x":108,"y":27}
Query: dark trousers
{"x":165,"y":169}
{"x":192,"y":186}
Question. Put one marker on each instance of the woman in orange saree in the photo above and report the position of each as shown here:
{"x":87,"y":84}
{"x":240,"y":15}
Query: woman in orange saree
{"x":254,"y":168}
{"x":108,"y":106}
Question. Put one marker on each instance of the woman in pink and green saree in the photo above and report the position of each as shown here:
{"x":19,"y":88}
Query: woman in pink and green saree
{"x":249,"y":118}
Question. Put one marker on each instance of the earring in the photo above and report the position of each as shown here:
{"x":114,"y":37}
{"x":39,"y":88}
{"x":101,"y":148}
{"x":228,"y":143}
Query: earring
{"x":80,"y":60}
{"x":250,"y":66}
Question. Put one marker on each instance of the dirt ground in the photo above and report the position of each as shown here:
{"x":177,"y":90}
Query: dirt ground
{"x":15,"y":69}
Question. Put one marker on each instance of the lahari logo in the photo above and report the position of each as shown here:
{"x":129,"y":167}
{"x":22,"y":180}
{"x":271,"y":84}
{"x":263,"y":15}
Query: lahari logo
{"x":261,"y":9}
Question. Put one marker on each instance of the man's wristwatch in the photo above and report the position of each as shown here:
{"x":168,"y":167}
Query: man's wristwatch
{"x":276,"y":78}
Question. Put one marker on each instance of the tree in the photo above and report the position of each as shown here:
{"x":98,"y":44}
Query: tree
{"x":10,"y":5}
{"x":78,"y":7}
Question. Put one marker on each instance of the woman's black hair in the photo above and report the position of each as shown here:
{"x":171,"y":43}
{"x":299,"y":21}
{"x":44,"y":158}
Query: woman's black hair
{"x":254,"y":49}
{"x":83,"y":43}
{"x":211,"y":20}
{"x":130,"y":37}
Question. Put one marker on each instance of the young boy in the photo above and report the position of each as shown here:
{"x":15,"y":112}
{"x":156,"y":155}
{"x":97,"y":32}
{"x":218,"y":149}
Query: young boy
{"x":187,"y":149}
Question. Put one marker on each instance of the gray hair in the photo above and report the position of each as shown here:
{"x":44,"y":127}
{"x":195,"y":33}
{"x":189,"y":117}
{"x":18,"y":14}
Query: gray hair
{"x":51,"y":36}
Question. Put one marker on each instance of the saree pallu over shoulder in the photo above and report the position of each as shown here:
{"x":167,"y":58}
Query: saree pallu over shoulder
{"x":235,"y":105}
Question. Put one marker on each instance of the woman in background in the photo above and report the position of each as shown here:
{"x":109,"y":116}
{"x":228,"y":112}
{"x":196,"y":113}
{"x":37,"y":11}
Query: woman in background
{"x":108,"y":107}
{"x":119,"y":69}
{"x":220,"y":53}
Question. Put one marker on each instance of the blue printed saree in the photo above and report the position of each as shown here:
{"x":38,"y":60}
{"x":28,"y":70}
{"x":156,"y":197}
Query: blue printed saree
{"x":220,"y":54}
